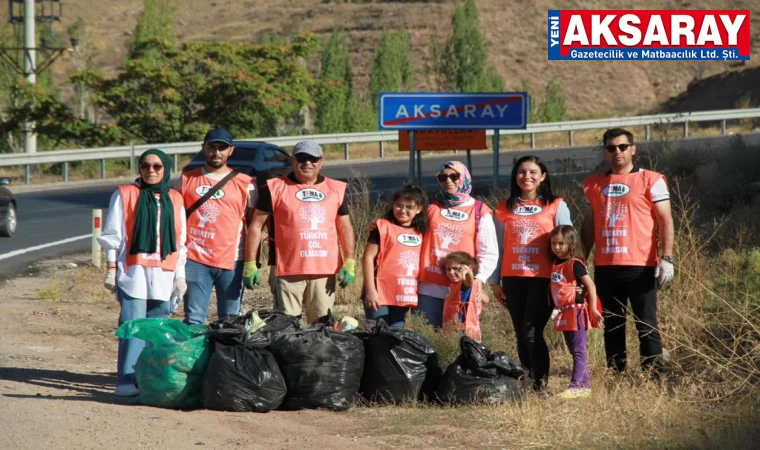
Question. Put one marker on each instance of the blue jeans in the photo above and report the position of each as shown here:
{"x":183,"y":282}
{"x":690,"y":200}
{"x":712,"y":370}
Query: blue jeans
{"x":392,"y":315}
{"x":201,"y":278}
{"x":432,"y":309}
{"x":130,"y":349}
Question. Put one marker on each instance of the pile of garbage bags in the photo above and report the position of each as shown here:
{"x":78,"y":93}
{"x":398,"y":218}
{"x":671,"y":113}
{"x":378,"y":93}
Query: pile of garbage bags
{"x":263,"y":360}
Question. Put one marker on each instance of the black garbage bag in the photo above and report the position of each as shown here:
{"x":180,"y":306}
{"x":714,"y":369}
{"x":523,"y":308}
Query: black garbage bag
{"x":242,"y":378}
{"x":232,"y":330}
{"x":479,"y":376}
{"x":275,"y":322}
{"x":322,"y":367}
{"x":399,"y":365}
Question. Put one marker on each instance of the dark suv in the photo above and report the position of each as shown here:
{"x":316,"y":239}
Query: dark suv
{"x":257,"y":159}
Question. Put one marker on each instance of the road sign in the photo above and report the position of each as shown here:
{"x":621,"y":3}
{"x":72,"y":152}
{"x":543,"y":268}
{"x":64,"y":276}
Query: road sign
{"x":428,"y":140}
{"x":453,"y":110}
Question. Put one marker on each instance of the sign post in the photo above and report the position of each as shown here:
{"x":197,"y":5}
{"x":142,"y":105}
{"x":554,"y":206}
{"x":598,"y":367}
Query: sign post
{"x":452,"y":111}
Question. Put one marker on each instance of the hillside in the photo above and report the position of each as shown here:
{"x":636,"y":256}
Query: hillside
{"x":516,"y":30}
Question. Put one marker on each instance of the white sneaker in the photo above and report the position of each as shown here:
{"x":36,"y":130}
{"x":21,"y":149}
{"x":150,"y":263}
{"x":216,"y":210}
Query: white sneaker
{"x":126,"y":390}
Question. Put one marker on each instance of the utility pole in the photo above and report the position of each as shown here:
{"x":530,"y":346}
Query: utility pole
{"x":30,"y":70}
{"x":28,"y":12}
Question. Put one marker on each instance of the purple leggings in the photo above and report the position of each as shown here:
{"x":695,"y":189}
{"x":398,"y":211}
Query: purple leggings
{"x":576,"y":343}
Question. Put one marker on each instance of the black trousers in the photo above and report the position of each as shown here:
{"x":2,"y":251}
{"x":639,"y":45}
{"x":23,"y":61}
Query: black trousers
{"x":527,"y":300}
{"x":616,"y":286}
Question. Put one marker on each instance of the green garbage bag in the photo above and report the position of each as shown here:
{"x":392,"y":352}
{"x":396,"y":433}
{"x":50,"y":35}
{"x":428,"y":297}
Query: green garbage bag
{"x":170,"y":369}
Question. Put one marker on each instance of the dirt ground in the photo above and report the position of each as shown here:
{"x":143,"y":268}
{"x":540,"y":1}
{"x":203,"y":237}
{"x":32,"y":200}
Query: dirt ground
{"x":57,"y":376}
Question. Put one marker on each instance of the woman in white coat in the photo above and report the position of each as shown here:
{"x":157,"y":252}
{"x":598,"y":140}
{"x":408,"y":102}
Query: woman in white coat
{"x":144,"y":239}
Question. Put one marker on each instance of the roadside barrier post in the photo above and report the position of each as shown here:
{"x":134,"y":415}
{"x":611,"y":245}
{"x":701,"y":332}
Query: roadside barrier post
{"x":97,"y":227}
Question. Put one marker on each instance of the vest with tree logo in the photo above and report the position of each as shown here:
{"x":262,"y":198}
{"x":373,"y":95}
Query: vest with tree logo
{"x":398,"y":264}
{"x":130,"y":194}
{"x":306,"y":236}
{"x":213,"y":229}
{"x":625,"y":218}
{"x":450,"y":230}
{"x":526,"y":237}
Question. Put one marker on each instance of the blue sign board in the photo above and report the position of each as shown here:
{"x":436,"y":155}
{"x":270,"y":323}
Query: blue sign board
{"x":453,"y":110}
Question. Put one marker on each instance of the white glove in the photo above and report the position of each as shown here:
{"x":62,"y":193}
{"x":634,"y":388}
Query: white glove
{"x":664,"y":272}
{"x":110,"y":280}
{"x":179,"y":288}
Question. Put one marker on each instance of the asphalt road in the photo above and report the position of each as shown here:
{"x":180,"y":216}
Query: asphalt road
{"x":50,"y":216}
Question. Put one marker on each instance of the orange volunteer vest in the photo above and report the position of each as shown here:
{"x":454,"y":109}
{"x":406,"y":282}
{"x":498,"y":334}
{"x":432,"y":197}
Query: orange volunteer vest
{"x":306,"y":237}
{"x":526,"y":237}
{"x":563,"y":293}
{"x":214,"y":228}
{"x":625,"y":220}
{"x":449,"y":230}
{"x":398,"y":264}
{"x":129,"y":196}
{"x":453,"y":305}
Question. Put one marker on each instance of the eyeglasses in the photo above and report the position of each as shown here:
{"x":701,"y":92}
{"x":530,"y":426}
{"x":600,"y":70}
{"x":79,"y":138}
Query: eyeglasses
{"x":611,"y":148}
{"x":442,"y":177}
{"x":303,"y":157}
{"x":156,"y":167}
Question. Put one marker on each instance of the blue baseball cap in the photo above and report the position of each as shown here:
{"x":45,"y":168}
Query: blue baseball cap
{"x":218,"y":135}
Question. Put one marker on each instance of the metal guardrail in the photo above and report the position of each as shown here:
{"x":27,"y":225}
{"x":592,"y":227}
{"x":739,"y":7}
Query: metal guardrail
{"x":132,"y":151}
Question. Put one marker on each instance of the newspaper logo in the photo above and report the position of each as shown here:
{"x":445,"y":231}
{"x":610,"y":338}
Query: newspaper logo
{"x":649,"y":35}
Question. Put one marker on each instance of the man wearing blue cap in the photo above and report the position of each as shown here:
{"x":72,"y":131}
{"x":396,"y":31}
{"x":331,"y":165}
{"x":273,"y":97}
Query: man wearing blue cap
{"x":216,"y":229}
{"x":311,"y":227}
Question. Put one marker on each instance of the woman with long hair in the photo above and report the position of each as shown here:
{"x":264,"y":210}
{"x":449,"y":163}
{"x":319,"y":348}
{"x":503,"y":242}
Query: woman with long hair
{"x":144,"y":239}
{"x":524,"y":222}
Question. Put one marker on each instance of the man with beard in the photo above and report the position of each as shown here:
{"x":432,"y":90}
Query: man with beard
{"x":216,"y":230}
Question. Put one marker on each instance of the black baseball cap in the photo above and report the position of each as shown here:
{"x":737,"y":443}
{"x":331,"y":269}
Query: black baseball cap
{"x":218,"y":135}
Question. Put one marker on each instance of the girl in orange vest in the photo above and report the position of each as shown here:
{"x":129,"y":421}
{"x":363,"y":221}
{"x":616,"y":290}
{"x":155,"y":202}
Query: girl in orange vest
{"x":391,"y":258}
{"x":573,"y":313}
{"x":144,"y":238}
{"x":524,"y":222}
{"x":463,"y":305}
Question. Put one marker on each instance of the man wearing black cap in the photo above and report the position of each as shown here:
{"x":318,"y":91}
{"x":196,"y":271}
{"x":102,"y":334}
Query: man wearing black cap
{"x":311,"y":226}
{"x":215,"y":229}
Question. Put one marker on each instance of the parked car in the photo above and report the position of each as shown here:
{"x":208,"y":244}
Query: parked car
{"x":8,"y":209}
{"x":257,"y":159}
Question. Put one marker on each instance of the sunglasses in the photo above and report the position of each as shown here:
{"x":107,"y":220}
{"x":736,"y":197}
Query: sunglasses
{"x":622,"y":147}
{"x":303,"y":157}
{"x":442,"y":177}
{"x":156,"y":167}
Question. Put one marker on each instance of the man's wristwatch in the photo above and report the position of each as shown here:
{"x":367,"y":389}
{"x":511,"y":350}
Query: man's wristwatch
{"x":669,"y":259}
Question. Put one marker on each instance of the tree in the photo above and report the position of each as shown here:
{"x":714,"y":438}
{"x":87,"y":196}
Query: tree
{"x":526,"y":229}
{"x":392,"y":66}
{"x":314,"y":214}
{"x":534,"y":113}
{"x":409,"y":260}
{"x":614,"y":211}
{"x":448,"y":234}
{"x":553,"y":107}
{"x":208,"y":212}
{"x":155,"y":22}
{"x":335,"y":85}
{"x":464,"y":63}
{"x":245,"y":88}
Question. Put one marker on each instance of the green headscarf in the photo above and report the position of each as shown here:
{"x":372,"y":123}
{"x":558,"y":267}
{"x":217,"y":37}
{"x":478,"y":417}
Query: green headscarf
{"x":144,"y":236}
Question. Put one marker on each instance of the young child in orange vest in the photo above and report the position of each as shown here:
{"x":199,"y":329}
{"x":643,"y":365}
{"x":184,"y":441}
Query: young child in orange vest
{"x":462,"y":306}
{"x":391,"y":260}
{"x":574,"y":313}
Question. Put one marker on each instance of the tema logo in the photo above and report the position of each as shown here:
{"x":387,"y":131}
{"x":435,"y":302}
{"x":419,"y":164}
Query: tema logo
{"x":409,"y":240}
{"x":455,"y":215}
{"x":202,"y":189}
{"x":557,"y":277}
{"x":616,"y":190}
{"x":527,"y":210}
{"x":310,"y":195}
